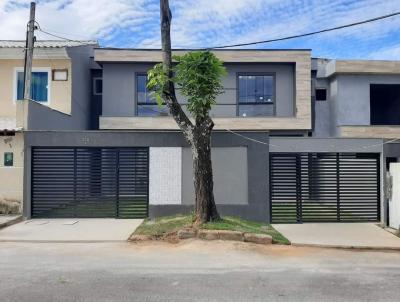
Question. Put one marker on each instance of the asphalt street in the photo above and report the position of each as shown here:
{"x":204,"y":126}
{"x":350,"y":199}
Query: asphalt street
{"x":194,"y":271}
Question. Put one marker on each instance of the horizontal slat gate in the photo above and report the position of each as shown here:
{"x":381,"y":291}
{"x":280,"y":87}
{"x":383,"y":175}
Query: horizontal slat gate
{"x":90,"y":182}
{"x":324,"y":187}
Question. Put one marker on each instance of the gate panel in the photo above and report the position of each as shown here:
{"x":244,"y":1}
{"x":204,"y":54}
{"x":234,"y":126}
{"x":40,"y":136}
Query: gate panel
{"x":324,"y":187}
{"x":133,"y":183}
{"x":53,"y":182}
{"x":90,"y":182}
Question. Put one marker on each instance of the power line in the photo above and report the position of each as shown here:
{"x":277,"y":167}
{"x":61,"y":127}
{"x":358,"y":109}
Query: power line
{"x":57,"y":36}
{"x":64,"y":33}
{"x":263,"y":41}
{"x":294,"y":150}
{"x":308,"y":34}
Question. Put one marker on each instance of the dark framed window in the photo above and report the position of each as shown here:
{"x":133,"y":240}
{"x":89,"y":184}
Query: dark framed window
{"x":384,"y":104}
{"x":8,"y":159}
{"x":97,"y":86}
{"x":60,"y":74}
{"x":320,"y":94}
{"x":146,"y":103}
{"x":39,"y":86}
{"x":256,"y":95}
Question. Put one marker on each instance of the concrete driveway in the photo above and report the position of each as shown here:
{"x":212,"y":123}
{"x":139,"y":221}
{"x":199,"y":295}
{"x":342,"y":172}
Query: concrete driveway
{"x":70,"y":230}
{"x":343,"y":235}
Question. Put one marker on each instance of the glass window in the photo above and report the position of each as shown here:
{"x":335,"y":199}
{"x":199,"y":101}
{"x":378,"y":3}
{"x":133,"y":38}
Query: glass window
{"x":8,"y":159}
{"x":256,"y":95}
{"x":39,"y":86}
{"x":146,"y":103}
{"x":320,"y":94}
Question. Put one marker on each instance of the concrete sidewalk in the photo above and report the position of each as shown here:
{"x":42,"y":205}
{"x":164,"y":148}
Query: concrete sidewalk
{"x":7,"y":220}
{"x":70,"y":230}
{"x":341,"y":235}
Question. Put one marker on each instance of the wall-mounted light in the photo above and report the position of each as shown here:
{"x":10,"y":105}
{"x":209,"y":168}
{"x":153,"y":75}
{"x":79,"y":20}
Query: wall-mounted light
{"x":60,"y":74}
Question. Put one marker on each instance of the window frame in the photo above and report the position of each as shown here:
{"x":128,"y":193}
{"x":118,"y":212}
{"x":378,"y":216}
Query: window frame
{"x":34,"y":69}
{"x":137,"y":74}
{"x":95,"y":79}
{"x":273,"y":75}
{"x":12,"y":159}
{"x":54,"y":71}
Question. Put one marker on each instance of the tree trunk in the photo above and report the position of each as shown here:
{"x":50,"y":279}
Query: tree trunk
{"x":198,"y":136}
{"x":206,"y":209}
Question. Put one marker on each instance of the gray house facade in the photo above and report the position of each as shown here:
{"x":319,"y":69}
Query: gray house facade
{"x":282,"y":148}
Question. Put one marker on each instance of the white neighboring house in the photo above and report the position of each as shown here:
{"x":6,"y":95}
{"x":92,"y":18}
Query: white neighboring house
{"x":61,"y":80}
{"x":11,"y":165}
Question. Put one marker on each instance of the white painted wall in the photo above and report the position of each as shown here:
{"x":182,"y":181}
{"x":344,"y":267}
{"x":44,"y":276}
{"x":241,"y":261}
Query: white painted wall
{"x":394,"y":202}
{"x":165,"y":176}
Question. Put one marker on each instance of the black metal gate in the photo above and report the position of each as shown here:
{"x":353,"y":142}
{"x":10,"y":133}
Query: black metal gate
{"x":90,"y":182}
{"x":324,"y":187}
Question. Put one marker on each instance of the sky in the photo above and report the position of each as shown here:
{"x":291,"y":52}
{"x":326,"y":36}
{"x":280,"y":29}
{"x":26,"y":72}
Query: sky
{"x":208,"y":23}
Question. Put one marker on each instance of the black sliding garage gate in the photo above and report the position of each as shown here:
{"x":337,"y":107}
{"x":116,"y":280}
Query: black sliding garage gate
{"x":90,"y":182}
{"x":324,"y":187}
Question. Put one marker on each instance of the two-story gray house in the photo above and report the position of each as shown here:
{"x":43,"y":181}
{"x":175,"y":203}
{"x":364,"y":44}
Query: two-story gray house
{"x":282,"y":147}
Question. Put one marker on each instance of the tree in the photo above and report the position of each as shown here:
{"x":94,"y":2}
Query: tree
{"x":198,"y":74}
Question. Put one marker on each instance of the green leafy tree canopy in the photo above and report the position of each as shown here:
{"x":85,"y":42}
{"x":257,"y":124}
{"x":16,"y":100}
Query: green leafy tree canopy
{"x":198,"y":74}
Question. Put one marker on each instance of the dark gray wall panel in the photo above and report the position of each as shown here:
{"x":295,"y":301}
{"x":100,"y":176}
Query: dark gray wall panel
{"x":230,"y":175}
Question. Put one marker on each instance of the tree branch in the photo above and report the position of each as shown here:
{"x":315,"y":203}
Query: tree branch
{"x":169,"y":94}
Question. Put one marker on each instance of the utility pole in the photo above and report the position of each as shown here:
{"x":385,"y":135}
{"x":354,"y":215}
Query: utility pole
{"x":30,"y":41}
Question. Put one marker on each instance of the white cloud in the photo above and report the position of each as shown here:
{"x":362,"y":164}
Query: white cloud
{"x":387,"y":53}
{"x":75,"y":18}
{"x":200,"y":23}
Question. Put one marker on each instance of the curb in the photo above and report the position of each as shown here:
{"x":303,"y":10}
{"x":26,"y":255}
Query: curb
{"x":349,"y":247}
{"x":61,"y":241}
{"x":11,"y":222}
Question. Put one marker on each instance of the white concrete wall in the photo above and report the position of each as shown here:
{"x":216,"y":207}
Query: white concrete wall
{"x":394,"y":202}
{"x":165,"y":176}
{"x":11,"y":178}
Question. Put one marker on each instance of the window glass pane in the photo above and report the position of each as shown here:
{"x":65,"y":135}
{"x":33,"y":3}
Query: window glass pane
{"x":250,"y":88}
{"x":144,"y":96}
{"x":256,"y":89}
{"x":256,"y":110}
{"x":320,"y":94}
{"x":242,"y":89}
{"x":38,"y":86}
{"x":20,"y":86}
{"x":259,"y":89}
{"x":256,"y":95}
{"x":8,"y":159}
{"x":152,"y":110}
{"x":268,"y":88}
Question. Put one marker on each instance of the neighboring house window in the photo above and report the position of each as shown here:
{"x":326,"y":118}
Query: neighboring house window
{"x":39,"y":86}
{"x":60,"y":74}
{"x":256,"y":95}
{"x":384,"y":104}
{"x":8,"y":159}
{"x":320,"y":94}
{"x":97,"y":86}
{"x":146,"y":103}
